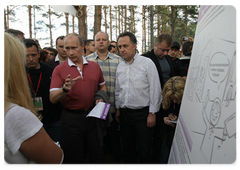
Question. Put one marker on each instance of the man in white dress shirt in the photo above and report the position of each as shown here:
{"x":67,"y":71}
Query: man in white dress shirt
{"x":61,"y":56}
{"x":138,"y":97}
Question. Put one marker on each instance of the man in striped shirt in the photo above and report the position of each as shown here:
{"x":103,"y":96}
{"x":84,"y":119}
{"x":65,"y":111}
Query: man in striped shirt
{"x":108,"y":63}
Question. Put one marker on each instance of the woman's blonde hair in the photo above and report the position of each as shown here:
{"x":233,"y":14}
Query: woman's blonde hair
{"x":174,"y":86}
{"x":16,"y":88}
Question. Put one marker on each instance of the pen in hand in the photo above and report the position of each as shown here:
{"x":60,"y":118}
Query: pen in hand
{"x":172,"y":113}
{"x":173,"y":117}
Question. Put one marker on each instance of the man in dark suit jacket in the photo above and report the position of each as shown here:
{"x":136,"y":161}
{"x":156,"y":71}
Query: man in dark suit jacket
{"x":159,"y":55}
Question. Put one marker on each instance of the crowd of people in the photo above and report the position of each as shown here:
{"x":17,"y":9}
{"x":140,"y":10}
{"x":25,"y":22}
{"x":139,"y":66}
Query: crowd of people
{"x":45,"y":111}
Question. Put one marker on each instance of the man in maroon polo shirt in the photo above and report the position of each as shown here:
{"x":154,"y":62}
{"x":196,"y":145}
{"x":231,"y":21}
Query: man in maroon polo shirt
{"x":74,"y":83}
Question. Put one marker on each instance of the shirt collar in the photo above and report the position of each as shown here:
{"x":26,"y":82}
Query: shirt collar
{"x":134,"y":58}
{"x":70,"y":63}
{"x":108,"y":55}
{"x":57,"y":58}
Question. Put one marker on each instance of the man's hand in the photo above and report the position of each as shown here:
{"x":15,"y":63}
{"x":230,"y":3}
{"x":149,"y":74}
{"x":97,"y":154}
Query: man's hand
{"x":151,"y":120}
{"x":117,"y":116}
{"x":69,"y":82}
{"x":58,"y":95}
{"x":98,"y":100}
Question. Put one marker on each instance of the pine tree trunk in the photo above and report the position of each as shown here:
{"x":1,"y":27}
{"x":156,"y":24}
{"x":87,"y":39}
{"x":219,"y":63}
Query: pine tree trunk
{"x":30,"y":20}
{"x":125,"y":18}
{"x":82,"y":26}
{"x":34,"y":22}
{"x":110,"y":23}
{"x":143,"y":30}
{"x":158,"y":21}
{"x":116,"y":21}
{"x":131,"y":29}
{"x":7,"y":17}
{"x":122,"y":18}
{"x":119,"y":24}
{"x":163,"y":21}
{"x":151,"y":26}
{"x":97,"y":19}
{"x":50,"y":27}
{"x":105,"y":17}
{"x":4,"y":16}
{"x":85,"y":23}
{"x":73,"y":22}
{"x":185,"y":20}
{"x":173,"y":18}
{"x":67,"y":23}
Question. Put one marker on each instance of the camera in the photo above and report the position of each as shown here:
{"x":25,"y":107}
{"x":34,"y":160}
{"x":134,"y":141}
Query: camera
{"x":185,"y":38}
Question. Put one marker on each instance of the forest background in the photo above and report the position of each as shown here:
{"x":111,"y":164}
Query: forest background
{"x":145,"y":21}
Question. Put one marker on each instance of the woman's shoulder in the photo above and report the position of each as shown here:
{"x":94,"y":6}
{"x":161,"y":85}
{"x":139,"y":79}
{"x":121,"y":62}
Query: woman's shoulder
{"x":18,"y":114}
{"x":16,"y":110}
{"x":19,"y":125}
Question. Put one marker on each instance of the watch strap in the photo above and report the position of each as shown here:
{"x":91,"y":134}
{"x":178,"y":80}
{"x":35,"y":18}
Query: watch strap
{"x":63,"y":88}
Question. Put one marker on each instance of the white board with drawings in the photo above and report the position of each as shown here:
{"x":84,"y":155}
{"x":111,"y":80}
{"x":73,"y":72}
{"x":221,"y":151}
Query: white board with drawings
{"x":206,"y":129}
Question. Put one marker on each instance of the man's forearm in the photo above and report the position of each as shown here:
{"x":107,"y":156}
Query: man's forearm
{"x":57,"y":96}
{"x":103,"y":87}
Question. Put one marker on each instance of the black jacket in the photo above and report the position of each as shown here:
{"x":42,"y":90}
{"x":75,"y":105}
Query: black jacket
{"x":102,"y":124}
{"x":51,"y":112}
{"x":168,"y":129}
{"x":153,"y":57}
{"x":52,"y":63}
{"x":177,"y":66}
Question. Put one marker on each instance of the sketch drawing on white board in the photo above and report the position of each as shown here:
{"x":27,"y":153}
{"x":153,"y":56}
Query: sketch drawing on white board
{"x":202,"y":71}
{"x":215,"y":63}
{"x":192,"y":74}
{"x":230,"y":89}
{"x":208,"y":108}
{"x":217,"y":74}
{"x":213,"y":129}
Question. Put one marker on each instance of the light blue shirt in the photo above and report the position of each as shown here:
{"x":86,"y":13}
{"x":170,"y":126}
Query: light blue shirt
{"x":137,"y":85}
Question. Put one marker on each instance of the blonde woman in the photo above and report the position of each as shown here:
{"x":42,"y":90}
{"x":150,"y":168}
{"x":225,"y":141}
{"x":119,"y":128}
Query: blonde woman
{"x":172,"y":98}
{"x":25,"y":140}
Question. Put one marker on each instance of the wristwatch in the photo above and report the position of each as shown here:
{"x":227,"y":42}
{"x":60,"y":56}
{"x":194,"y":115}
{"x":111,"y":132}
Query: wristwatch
{"x":63,"y":88}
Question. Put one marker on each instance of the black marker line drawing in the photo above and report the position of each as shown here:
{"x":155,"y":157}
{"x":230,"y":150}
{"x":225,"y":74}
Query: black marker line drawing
{"x":213,"y":84}
{"x":230,"y":89}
